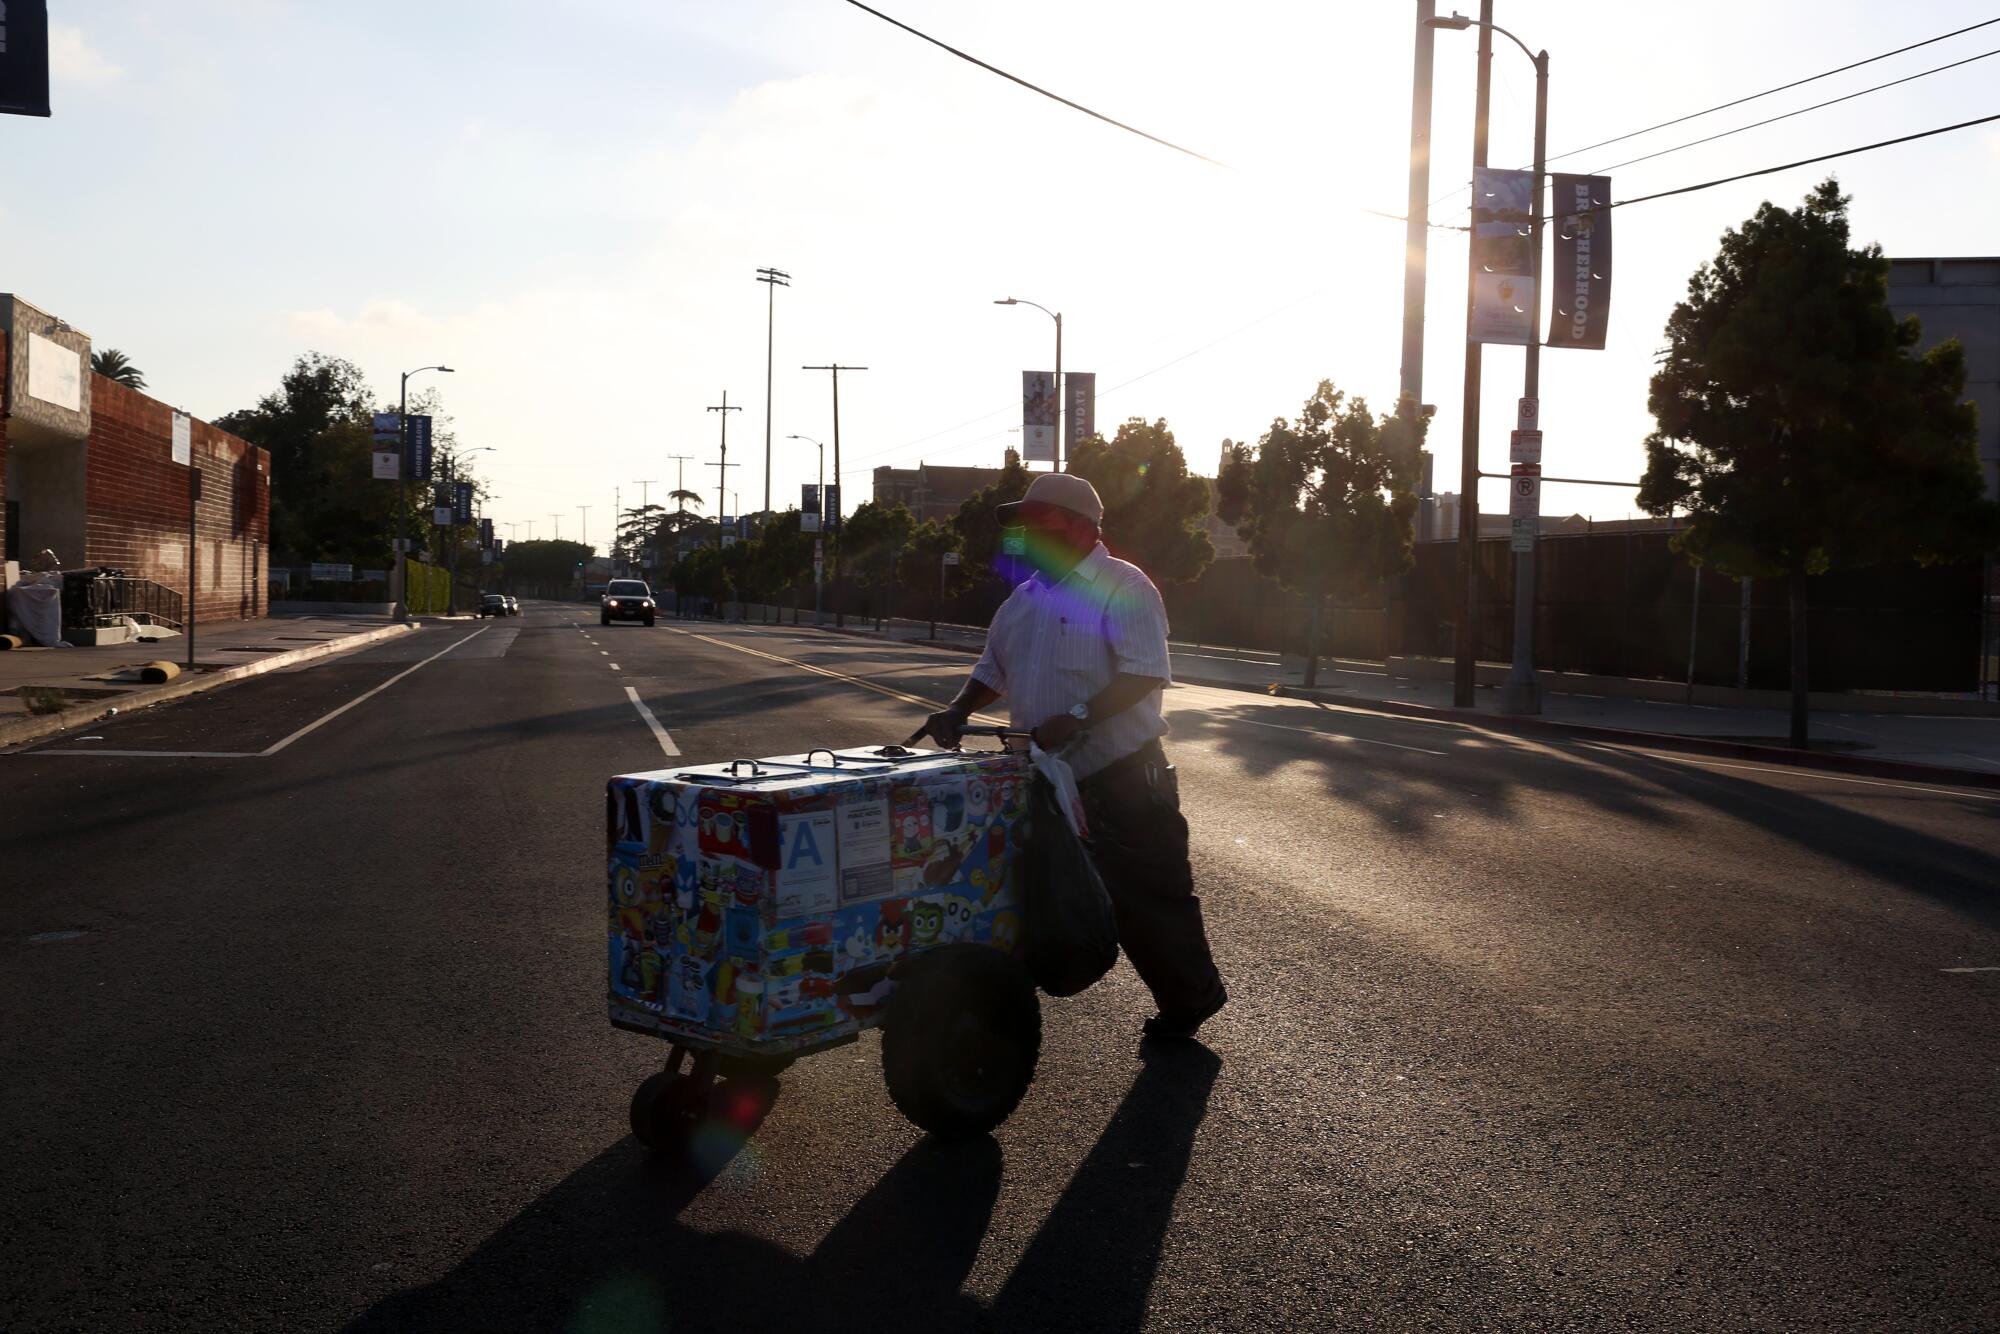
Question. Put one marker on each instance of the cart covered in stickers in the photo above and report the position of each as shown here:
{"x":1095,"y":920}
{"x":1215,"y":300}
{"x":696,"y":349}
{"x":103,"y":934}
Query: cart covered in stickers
{"x":761,"y":910}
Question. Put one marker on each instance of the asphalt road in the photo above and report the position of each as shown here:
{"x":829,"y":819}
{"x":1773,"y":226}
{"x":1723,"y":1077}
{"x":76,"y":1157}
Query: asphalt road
{"x":306,"y":1031}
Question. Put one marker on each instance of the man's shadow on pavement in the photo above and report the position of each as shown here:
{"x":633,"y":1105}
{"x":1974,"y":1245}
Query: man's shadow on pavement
{"x":605,"y":1250}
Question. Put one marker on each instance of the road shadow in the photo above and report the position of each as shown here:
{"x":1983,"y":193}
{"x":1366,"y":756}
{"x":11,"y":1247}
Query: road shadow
{"x":606,"y":1250}
{"x":1383,"y":767}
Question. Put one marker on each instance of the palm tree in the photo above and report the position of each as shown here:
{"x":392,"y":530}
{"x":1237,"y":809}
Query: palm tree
{"x":685,"y":498}
{"x":113,"y":365}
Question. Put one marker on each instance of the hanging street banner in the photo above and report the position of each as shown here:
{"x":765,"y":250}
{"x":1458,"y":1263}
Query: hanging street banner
{"x":183,"y":446}
{"x":809,"y":508}
{"x":1580,"y":265}
{"x":388,"y":465}
{"x":1079,"y":408}
{"x":388,"y":427}
{"x":1503,"y":306}
{"x":461,"y":502}
{"x":24,"y":58}
{"x":830,"y":506}
{"x":1038,"y":416}
{"x":417,"y":448}
{"x":486,"y":533}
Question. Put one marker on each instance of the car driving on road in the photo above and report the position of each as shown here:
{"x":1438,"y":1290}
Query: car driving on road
{"x":626,"y":600}
{"x":493,"y":604}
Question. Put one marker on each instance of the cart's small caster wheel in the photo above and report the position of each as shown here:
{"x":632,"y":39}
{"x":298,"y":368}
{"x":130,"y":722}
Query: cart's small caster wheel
{"x":665,"y":1110}
{"x":961,"y":1040}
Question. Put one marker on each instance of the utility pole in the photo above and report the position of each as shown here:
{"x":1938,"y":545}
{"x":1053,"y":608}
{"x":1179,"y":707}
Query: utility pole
{"x":773,"y":279}
{"x":1416,"y":230}
{"x":583,"y":523}
{"x":556,"y":519}
{"x":1464,"y":677}
{"x":722,"y":477}
{"x":839,"y":557}
{"x":1523,"y":694}
{"x":617,"y":526}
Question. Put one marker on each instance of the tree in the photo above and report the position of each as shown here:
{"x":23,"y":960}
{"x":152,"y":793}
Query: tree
{"x":1152,"y":508}
{"x":114,"y":365}
{"x":325,"y":503}
{"x":1325,"y":502}
{"x":546,"y":563}
{"x":979,"y":528}
{"x":875,"y":536}
{"x":781,"y":554}
{"x":1797,"y":426}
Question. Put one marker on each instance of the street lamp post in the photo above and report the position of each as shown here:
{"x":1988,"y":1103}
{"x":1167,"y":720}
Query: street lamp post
{"x":1522,"y":694}
{"x":403,"y":493}
{"x":839,"y":557}
{"x":819,"y":582}
{"x":772,"y":279}
{"x":1055,"y":315}
{"x":451,"y":492}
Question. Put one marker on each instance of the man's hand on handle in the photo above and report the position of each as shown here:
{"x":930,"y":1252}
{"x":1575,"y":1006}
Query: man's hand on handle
{"x":942,"y":727}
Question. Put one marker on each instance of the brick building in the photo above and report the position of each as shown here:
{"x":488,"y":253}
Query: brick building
{"x":88,"y":470}
{"x":932,"y":491}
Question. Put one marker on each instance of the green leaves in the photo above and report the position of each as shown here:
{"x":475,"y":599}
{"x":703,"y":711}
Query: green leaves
{"x":1795,"y":426}
{"x":1326,"y":501}
{"x":1152,"y":508}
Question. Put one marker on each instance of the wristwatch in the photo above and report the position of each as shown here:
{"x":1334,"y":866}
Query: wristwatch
{"x":1080,"y":712}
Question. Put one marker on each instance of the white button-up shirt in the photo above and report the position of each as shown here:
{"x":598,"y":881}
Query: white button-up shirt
{"x":1052,"y":645}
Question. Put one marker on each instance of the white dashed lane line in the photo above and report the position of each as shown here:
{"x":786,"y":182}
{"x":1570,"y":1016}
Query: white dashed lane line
{"x":659,"y":732}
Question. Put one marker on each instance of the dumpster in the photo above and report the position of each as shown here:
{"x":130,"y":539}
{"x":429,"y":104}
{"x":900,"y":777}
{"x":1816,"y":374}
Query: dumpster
{"x":761,"y":910}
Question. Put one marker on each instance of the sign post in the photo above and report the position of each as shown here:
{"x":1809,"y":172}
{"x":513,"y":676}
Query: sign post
{"x":194,"y":498}
{"x":945,"y":561}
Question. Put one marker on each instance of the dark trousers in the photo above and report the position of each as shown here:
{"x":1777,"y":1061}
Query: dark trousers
{"x":1139,"y":840}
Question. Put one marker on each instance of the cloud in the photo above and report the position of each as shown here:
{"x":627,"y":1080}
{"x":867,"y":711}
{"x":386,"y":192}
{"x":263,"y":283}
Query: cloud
{"x":73,"y":60}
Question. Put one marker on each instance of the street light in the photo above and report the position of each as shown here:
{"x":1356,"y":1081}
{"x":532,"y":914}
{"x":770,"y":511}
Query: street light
{"x":403,"y":492}
{"x":819,"y":536}
{"x":1057,"y":317}
{"x":450,"y":476}
{"x":1522,"y":694}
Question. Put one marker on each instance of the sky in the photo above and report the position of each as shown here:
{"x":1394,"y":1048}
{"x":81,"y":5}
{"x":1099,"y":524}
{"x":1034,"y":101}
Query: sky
{"x":568,"y":204}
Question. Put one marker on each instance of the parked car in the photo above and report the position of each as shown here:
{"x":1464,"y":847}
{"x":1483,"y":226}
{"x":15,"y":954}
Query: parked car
{"x":494,"y":604}
{"x":626,"y":600}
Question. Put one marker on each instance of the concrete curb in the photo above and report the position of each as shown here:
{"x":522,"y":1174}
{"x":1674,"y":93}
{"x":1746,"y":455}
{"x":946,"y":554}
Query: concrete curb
{"x":1907,"y":770}
{"x":1847,"y":764}
{"x":15,"y":731}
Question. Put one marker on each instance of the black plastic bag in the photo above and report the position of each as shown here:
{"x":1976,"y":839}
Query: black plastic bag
{"x":1066,"y":917}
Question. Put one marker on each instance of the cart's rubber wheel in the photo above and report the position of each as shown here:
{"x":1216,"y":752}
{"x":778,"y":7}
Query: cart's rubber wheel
{"x":961,"y":1040}
{"x":665,"y":1109}
{"x":756,"y":1067}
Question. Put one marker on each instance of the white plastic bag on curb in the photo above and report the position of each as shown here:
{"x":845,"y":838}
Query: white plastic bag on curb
{"x":1056,"y":769}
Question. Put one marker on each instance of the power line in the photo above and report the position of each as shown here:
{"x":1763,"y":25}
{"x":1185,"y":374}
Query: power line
{"x":1786,"y":166}
{"x":1800,"y":112}
{"x":1015,"y":78}
{"x":1737,"y":102}
{"x":1223,"y":338}
{"x":1796,"y":83}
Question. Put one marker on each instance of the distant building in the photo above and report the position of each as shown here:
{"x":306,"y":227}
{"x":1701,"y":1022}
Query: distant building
{"x":1228,"y":546}
{"x":1960,"y":298}
{"x":932,"y":491}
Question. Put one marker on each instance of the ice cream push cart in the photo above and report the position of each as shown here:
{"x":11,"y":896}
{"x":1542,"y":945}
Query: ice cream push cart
{"x":762,"y":910}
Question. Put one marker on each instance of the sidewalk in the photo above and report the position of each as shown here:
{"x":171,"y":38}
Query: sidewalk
{"x":45,"y":690}
{"x":1936,"y":746}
